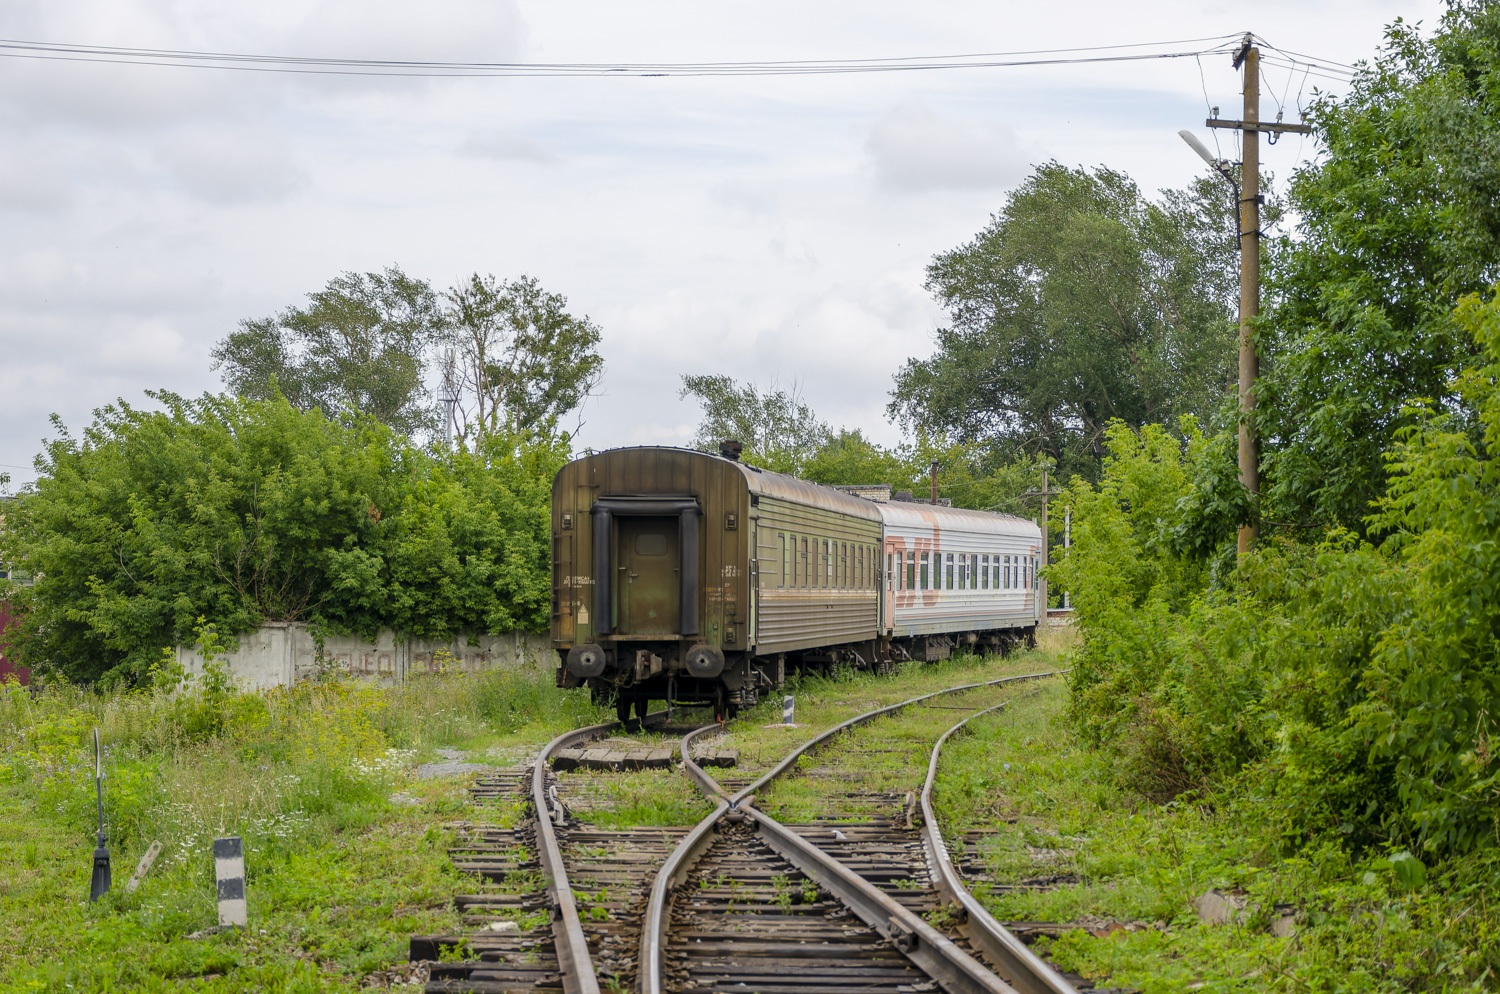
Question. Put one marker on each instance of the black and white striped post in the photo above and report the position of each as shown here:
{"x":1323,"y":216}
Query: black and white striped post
{"x":788,"y":709}
{"x":229,"y":868}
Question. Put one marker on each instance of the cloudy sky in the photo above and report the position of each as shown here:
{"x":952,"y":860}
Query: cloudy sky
{"x":773,"y":229}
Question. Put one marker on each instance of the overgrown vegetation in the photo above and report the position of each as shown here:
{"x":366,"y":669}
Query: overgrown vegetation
{"x":1070,"y":843}
{"x":1324,"y":707}
{"x":1356,"y":683}
{"x":246,"y":511}
{"x":1398,"y":219}
{"x":340,"y":872}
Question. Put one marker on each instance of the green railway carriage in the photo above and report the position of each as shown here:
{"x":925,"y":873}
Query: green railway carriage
{"x":688,"y":576}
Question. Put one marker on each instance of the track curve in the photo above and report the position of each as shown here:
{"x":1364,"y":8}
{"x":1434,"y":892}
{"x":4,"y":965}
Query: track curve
{"x":953,"y":968}
{"x":1027,"y":972}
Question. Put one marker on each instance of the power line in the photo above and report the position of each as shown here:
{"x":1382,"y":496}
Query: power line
{"x":244,"y":62}
{"x":1310,"y":68}
{"x":1346,"y":66}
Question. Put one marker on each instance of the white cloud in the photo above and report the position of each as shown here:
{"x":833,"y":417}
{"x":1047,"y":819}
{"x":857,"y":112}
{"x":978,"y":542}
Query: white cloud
{"x":914,"y":148}
{"x":227,"y":167}
{"x":508,"y":145}
{"x":33,"y":179}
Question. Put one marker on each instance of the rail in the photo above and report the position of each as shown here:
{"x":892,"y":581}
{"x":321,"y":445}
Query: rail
{"x":673,"y":872}
{"x":954,"y":969}
{"x":1026,"y":971}
{"x":575,"y":967}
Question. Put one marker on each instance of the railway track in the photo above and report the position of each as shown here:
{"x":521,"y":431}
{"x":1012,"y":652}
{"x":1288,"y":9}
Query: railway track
{"x":738,"y":902}
{"x":826,"y":906}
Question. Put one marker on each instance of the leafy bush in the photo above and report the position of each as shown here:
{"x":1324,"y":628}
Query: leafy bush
{"x":235,"y":512}
{"x":1357,"y":684}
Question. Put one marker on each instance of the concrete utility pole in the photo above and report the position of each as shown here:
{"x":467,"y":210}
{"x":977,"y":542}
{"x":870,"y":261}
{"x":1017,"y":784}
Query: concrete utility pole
{"x":1250,"y":126}
{"x":1249,"y":445}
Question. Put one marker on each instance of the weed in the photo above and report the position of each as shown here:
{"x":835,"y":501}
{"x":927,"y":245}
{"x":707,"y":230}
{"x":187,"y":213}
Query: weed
{"x":336,"y":875}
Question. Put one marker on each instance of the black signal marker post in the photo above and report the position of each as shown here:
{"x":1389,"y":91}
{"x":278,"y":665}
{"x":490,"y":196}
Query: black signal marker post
{"x":229,"y":868}
{"x":99,"y":885}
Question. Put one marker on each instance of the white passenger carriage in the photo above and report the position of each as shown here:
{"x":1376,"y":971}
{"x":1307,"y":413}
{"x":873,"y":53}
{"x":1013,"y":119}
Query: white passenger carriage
{"x":956,"y":572}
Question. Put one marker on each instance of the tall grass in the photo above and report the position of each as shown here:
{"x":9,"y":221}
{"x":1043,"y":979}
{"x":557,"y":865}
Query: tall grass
{"x":305,"y":775}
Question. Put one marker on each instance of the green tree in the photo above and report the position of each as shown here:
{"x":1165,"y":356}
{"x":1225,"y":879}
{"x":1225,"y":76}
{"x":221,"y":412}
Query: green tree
{"x":777,"y":428}
{"x":1082,"y":302}
{"x":520,"y":361}
{"x":358,"y":349}
{"x":847,"y":458}
{"x":1399,"y":218}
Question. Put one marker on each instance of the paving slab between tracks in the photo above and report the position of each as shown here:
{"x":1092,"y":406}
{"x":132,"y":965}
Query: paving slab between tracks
{"x":611,"y":756}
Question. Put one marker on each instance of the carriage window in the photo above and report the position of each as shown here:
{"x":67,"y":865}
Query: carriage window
{"x":843,"y":564}
{"x":911,"y":571}
{"x":925,"y":578}
{"x":1007,"y":572}
{"x":802,"y":565}
{"x":888,"y":573}
{"x":950,"y":571}
{"x":984,"y":572}
{"x":781,"y":536}
{"x":996,"y":575}
{"x":859,"y":567}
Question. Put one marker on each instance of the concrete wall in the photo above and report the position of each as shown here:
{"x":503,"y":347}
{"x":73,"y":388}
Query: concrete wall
{"x":281,"y":653}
